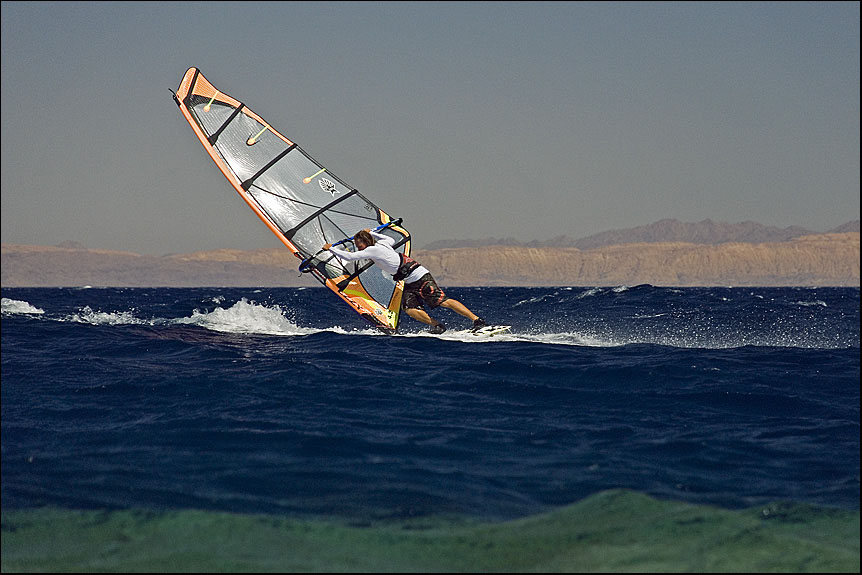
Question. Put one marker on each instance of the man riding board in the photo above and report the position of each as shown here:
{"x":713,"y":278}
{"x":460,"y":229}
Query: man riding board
{"x":420,"y":289}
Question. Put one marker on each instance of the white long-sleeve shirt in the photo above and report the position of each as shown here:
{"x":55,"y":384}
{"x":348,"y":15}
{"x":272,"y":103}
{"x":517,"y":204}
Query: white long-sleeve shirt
{"x":381,"y":253}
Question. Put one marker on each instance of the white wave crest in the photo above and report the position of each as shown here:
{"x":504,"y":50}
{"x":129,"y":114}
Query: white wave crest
{"x":589,"y":292}
{"x":16,"y":307}
{"x":89,"y":316}
{"x":248,"y":318}
{"x":810,"y":303}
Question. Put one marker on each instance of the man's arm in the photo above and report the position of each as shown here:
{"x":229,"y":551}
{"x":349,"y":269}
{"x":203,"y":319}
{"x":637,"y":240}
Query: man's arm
{"x":382,"y":238}
{"x":345,"y":255}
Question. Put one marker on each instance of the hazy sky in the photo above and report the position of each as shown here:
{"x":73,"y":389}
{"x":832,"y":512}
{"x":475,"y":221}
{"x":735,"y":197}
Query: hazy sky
{"x":469,"y":120}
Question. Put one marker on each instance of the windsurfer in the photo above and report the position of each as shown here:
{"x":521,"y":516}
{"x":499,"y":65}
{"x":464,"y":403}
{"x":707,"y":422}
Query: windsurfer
{"x":420,"y":289}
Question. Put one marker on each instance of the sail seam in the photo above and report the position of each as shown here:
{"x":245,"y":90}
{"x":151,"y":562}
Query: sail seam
{"x":291,"y":232}
{"x":300,"y":202}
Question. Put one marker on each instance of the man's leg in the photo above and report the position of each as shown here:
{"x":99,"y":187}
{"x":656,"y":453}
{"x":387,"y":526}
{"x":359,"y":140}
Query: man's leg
{"x":420,"y":315}
{"x":458,"y":308}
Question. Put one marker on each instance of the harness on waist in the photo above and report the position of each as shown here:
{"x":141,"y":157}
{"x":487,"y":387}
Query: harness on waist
{"x":407,"y":267}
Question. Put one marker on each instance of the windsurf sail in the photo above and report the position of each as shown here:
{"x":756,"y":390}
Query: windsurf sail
{"x":302,"y":201}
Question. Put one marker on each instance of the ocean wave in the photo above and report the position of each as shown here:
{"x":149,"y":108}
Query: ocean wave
{"x":89,"y":316}
{"x":18,"y":307}
{"x":246,"y":317}
{"x":810,"y":303}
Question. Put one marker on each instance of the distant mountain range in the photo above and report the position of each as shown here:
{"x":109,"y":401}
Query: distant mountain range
{"x":667,"y":230}
{"x":666,"y":253}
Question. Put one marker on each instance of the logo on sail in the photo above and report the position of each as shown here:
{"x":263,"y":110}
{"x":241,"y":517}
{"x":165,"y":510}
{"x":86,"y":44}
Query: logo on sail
{"x":327,"y":186}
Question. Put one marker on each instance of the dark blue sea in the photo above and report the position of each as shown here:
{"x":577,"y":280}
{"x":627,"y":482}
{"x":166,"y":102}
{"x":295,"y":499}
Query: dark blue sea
{"x":282,"y":401}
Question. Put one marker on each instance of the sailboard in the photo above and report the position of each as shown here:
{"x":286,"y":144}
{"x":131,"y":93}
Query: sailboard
{"x":491,"y":330}
{"x":301,"y":201}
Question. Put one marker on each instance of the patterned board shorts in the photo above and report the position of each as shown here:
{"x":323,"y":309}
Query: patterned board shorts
{"x":423,"y":292}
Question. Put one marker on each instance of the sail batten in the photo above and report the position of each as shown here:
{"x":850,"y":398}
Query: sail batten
{"x":247,"y":184}
{"x":303,"y":202}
